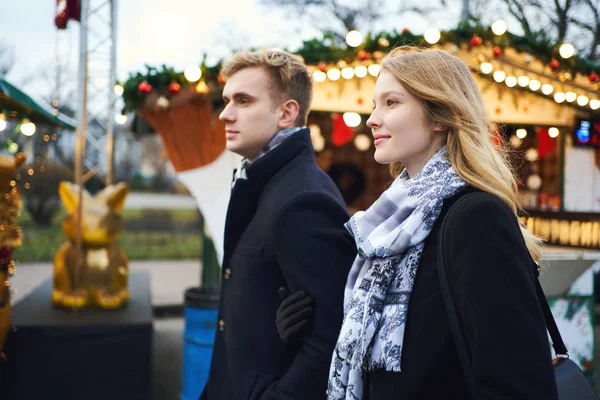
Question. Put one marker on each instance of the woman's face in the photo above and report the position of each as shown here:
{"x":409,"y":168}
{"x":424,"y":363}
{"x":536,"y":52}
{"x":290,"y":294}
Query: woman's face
{"x":400,"y":129}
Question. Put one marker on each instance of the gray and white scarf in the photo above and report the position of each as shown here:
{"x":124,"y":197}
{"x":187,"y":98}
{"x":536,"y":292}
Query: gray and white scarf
{"x":389,"y":236}
{"x":279,"y":137}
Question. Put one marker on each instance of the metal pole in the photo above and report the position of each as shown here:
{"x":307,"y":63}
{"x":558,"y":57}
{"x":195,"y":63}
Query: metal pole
{"x":110,"y":144}
{"x":81,"y":129}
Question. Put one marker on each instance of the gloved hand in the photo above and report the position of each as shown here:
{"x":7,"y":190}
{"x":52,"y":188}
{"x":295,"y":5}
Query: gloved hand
{"x":293,"y":314}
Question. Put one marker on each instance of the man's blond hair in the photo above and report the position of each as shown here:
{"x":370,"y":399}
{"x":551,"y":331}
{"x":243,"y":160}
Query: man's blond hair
{"x":290,"y":79}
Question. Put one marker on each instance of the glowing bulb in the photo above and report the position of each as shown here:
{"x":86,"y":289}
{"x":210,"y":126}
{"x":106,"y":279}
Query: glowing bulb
{"x":360,"y":71}
{"x":432,"y":35}
{"x":594,"y":104}
{"x":582,"y":100}
{"x":333,"y":74}
{"x":192,"y":73}
{"x":510,"y":81}
{"x":499,"y":76}
{"x":362,"y":142}
{"x":354,"y":38}
{"x":534,"y":84}
{"x":486,"y":67}
{"x":374,"y":69}
{"x":120,"y":119}
{"x":348,"y":73}
{"x":118,"y":89}
{"x":521,"y":133}
{"x":499,"y":27}
{"x":2,"y":122}
{"x":352,"y":119}
{"x":547,"y":89}
{"x":523,"y":81}
{"x":566,"y":50}
{"x":559,"y":97}
{"x":13,"y":148}
{"x":553,"y":132}
{"x":27,"y":127}
{"x":319,"y":76}
{"x":570,"y":97}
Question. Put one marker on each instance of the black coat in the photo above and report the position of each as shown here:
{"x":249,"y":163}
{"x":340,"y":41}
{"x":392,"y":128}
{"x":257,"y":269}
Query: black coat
{"x":493,"y":285}
{"x":284,"y":227}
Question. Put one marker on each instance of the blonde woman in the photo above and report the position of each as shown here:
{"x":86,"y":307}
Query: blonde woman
{"x":429,"y":122}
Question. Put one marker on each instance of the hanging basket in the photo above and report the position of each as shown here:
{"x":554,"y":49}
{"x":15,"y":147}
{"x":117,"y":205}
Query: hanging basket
{"x":193,"y":136}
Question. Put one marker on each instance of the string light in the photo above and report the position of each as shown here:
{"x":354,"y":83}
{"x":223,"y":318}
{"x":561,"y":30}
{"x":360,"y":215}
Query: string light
{"x":499,"y":76}
{"x":547,"y":89}
{"x":583,"y":100}
{"x":192,"y":73}
{"x":570,"y":97}
{"x":333,"y":74}
{"x":354,"y":38}
{"x":534,"y":84}
{"x":432,"y":35}
{"x":499,"y":27}
{"x":559,"y":97}
{"x":352,"y":119}
{"x":521,"y":133}
{"x":27,"y":127}
{"x":360,"y":71}
{"x":566,"y":50}
{"x":553,"y":132}
{"x":347,"y":73}
{"x":319,"y":76}
{"x":486,"y":67}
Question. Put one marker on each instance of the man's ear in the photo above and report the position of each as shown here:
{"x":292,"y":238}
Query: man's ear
{"x":290,"y":110}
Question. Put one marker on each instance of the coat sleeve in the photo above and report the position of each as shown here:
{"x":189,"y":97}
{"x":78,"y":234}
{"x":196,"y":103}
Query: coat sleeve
{"x":494,"y":289}
{"x":314,"y":252}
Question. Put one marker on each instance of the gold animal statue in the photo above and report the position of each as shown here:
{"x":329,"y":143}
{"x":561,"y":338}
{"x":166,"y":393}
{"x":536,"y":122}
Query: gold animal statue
{"x":102,"y":275}
{"x":10,"y":234}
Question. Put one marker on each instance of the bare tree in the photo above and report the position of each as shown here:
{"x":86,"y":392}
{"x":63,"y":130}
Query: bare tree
{"x":588,"y":19}
{"x":7,"y":59}
{"x":336,"y":17}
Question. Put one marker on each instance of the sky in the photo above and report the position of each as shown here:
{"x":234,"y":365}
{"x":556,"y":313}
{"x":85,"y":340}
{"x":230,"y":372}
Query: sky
{"x":155,"y":32}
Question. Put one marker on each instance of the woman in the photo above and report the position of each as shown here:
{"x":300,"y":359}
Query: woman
{"x":429,"y":122}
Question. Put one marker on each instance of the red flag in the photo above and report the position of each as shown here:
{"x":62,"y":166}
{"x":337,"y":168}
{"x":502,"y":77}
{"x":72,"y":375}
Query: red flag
{"x":341,"y":133}
{"x":545,"y":142}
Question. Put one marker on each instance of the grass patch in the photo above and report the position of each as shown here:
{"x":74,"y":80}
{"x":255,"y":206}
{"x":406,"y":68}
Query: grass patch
{"x":41,"y":243}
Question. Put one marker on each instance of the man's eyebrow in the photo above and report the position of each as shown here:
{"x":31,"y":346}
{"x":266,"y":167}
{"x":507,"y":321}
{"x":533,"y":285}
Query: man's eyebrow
{"x":239,"y":95}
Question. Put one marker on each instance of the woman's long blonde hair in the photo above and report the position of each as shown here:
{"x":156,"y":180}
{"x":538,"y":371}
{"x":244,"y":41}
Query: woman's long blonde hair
{"x":452,"y":99}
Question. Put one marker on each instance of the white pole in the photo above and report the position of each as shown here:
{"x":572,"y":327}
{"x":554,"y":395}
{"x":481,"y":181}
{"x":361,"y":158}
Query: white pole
{"x":110,"y":144}
{"x":81,"y":127}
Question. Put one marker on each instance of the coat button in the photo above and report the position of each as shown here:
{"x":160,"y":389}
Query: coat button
{"x":221,"y":325}
{"x":227,"y":273}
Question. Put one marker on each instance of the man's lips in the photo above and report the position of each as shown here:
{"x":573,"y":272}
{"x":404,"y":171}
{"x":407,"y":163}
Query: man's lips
{"x":231,"y":133}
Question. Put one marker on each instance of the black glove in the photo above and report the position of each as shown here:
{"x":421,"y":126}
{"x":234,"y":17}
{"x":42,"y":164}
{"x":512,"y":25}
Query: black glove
{"x":293,"y":314}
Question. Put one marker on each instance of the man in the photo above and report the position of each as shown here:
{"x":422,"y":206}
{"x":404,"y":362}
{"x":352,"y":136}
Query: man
{"x":284,"y":228}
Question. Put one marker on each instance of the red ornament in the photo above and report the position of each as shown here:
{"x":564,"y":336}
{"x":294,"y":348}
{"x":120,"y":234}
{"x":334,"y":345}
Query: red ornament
{"x":322,"y":66}
{"x":341,"y":133}
{"x":363,"y":55}
{"x":144,"y":87}
{"x":405,"y":31}
{"x":554,"y":65}
{"x":221,"y":79}
{"x":476,"y":40}
{"x":65,"y":11}
{"x":594,"y":78}
{"x":497,"y":51}
{"x":174,"y":88}
{"x":5,"y":254}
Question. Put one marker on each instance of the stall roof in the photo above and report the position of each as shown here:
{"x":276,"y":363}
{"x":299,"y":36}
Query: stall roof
{"x":16,"y":100}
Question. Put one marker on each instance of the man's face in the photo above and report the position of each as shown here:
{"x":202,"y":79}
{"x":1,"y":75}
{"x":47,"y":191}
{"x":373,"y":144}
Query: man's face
{"x":250,"y":115}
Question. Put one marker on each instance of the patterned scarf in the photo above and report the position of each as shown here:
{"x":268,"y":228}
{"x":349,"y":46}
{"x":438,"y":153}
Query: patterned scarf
{"x":389,"y":237}
{"x":276,"y":140}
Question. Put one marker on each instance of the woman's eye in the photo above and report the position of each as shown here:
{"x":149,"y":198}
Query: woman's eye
{"x":391,"y":102}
